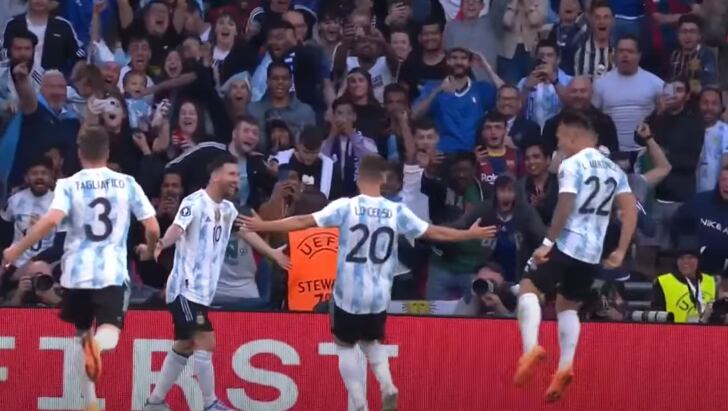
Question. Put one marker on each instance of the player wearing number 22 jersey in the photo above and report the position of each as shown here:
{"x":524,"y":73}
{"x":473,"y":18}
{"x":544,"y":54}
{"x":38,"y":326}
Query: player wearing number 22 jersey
{"x":94,"y":208}
{"x":368,"y":229}
{"x":568,"y":260}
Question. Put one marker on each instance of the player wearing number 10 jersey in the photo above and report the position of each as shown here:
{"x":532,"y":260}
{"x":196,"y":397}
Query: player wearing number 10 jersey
{"x":568,"y":260}
{"x":94,"y":207}
{"x":368,"y":228}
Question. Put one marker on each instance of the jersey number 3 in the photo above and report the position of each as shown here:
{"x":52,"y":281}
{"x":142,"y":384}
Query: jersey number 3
{"x":105,"y":206}
{"x":376,"y":236}
{"x":603,"y":208}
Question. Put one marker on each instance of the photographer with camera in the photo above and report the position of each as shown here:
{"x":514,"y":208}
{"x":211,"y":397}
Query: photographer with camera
{"x":686,"y":292}
{"x":490,"y":295}
{"x":36,"y":286}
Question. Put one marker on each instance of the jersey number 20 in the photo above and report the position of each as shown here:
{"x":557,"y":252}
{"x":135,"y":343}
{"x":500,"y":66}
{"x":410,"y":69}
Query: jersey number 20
{"x":353,"y":255}
{"x":603,"y":208}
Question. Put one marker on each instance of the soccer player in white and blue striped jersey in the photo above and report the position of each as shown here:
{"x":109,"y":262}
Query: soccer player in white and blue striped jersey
{"x":368,"y":228}
{"x":568,"y":259}
{"x":94,"y":207}
{"x":200,"y":232}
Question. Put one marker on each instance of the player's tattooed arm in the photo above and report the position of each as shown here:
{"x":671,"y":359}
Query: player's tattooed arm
{"x":173,"y":233}
{"x":39,"y":231}
{"x":564,"y":206}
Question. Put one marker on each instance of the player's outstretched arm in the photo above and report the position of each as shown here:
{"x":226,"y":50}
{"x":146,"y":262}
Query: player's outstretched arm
{"x":256,"y":224}
{"x":151,"y":234}
{"x":39,"y":231}
{"x":627,"y":205}
{"x":447,"y":234}
{"x":262,"y":247}
{"x":173,"y":233}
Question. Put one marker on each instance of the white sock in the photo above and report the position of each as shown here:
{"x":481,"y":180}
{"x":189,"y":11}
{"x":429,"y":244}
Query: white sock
{"x":569,"y":328}
{"x":529,"y":319}
{"x":172,"y":367}
{"x":351,"y":374}
{"x":379,"y":361}
{"x":202,"y":363}
{"x":88,"y":388}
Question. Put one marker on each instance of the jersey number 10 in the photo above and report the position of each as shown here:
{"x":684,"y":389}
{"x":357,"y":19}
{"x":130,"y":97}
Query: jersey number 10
{"x":376,"y":236}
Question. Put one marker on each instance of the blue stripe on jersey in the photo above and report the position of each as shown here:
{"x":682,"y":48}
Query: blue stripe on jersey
{"x":199,"y":258}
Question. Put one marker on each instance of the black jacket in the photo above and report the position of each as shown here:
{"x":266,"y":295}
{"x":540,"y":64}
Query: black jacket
{"x":530,"y":230}
{"x":61,"y":46}
{"x":192,"y":166}
{"x":524,"y":131}
{"x":681,"y":137}
{"x":603,"y":124}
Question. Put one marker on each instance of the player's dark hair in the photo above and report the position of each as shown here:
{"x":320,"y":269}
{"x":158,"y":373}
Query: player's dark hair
{"x":278,"y":64}
{"x":573,"y":118}
{"x":311,"y":137}
{"x":600,"y":4}
{"x":546,"y":44}
{"x":247,"y":119}
{"x":394,"y":88}
{"x":371,"y":167}
{"x":219,"y":161}
{"x":23,"y":33}
{"x":93,"y":143}
{"x":495,"y":116}
{"x":712,"y":89}
{"x":342,"y":101}
{"x":424,"y":123}
{"x":691,"y":18}
{"x":632,"y":37}
{"x":40,"y":161}
{"x":541,"y":146}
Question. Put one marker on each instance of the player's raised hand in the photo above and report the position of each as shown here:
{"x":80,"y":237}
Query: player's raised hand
{"x":483,"y":233}
{"x":614,"y":260}
{"x":10,"y":255}
{"x":281,"y":259}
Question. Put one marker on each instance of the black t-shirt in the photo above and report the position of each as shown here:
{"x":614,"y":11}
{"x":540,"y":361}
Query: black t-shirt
{"x":416,"y":73}
{"x":313,"y":170}
{"x":371,"y":121}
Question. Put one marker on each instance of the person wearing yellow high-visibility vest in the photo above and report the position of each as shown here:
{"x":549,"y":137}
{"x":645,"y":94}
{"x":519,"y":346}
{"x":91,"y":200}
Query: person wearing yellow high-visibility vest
{"x":686,"y":292}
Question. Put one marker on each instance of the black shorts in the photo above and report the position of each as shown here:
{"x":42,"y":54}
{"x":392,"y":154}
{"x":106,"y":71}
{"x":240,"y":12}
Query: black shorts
{"x":188,"y":318}
{"x":106,"y":305}
{"x":563,"y":274}
{"x":352,"y":328}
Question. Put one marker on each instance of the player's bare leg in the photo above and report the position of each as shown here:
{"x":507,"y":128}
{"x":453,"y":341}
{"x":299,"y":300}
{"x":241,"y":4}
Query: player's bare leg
{"x":349,"y":369}
{"x":173,"y":365}
{"x":569,"y":329}
{"x":89,"y":354}
{"x":529,"y":320}
{"x":379,"y":361}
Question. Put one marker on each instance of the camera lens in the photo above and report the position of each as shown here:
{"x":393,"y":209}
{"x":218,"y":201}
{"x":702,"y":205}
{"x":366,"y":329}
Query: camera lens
{"x":482,"y":287}
{"x":43,"y":282}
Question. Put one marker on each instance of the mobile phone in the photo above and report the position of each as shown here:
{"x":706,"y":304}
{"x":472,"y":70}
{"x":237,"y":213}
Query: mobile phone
{"x":669,"y":90}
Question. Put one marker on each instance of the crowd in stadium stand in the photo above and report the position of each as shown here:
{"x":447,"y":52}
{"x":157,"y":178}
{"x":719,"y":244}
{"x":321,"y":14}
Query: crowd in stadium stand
{"x":462,"y":97}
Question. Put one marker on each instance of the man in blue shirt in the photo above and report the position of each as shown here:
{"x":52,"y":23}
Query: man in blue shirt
{"x":457,"y":103}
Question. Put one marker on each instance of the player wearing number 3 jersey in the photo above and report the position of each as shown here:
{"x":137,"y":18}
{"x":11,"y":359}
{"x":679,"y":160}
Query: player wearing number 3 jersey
{"x":368,"y":228}
{"x":94,"y":207}
{"x":568,"y":260}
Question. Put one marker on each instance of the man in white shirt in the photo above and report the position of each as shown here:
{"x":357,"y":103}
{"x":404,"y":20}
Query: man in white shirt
{"x":715,"y":145}
{"x":628,"y":93}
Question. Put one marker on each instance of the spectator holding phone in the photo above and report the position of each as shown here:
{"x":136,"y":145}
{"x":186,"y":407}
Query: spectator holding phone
{"x":522,"y":20}
{"x":544,"y":87}
{"x":494,"y":156}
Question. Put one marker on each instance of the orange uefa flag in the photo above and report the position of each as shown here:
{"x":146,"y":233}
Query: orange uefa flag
{"x":313,"y":267}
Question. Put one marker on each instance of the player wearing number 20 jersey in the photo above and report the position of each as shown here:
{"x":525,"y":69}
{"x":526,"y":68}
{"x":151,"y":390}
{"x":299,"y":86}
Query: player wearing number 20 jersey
{"x":368,"y":230}
{"x":98,"y":204}
{"x":595,"y":180}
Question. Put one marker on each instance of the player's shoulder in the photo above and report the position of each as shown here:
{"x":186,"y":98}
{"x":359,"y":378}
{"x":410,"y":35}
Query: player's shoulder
{"x":229,"y":206}
{"x":193,"y":197}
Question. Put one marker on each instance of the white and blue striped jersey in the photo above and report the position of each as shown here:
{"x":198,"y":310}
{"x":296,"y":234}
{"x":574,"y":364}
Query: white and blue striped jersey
{"x":23,"y":209}
{"x":200,"y":252}
{"x":367,"y":260}
{"x":595,"y":180}
{"x":98,"y":204}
